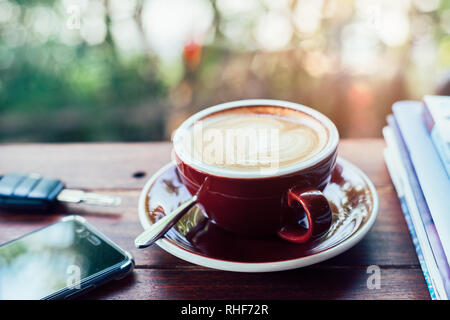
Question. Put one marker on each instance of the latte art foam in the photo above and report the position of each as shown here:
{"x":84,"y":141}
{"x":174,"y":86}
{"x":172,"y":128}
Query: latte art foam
{"x":255,"y":138}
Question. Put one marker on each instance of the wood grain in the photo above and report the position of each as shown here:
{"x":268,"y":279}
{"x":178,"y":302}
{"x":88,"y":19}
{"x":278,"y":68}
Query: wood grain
{"x":122,"y":169}
{"x":306,"y":283}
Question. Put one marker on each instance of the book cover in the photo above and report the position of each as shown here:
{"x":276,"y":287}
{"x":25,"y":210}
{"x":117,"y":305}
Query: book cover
{"x":396,"y":180}
{"x":436,"y":114}
{"x":430,"y":173}
{"x":431,"y":239}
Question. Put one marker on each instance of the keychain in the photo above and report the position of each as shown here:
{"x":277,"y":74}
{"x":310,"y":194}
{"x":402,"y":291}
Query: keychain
{"x":21,"y":191}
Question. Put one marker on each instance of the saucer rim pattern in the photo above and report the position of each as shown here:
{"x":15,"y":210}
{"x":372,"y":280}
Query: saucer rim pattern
{"x":272,"y":266}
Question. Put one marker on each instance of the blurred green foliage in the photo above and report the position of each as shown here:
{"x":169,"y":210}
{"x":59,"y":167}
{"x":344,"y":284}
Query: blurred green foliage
{"x":133,"y":70}
{"x":45,"y":82}
{"x":57,"y":92}
{"x":38,"y":88}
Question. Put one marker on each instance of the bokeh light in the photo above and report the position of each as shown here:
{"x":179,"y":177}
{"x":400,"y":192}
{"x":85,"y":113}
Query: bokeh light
{"x":92,"y":70}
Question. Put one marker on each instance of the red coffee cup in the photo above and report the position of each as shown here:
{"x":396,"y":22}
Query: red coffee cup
{"x":266,"y":202}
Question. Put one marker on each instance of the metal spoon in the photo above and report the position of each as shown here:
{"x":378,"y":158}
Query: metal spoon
{"x":159,"y":228}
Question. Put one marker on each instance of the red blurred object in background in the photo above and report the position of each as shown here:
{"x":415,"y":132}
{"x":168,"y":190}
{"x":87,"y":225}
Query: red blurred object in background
{"x":192,"y":54}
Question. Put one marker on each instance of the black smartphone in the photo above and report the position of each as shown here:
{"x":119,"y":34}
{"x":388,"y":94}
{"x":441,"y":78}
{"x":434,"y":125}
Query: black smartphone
{"x":60,"y":261}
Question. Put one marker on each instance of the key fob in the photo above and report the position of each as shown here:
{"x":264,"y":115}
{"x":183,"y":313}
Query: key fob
{"x":19,"y":191}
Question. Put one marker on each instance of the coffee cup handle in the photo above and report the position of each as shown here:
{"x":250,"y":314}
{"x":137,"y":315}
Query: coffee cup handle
{"x":317,"y":211}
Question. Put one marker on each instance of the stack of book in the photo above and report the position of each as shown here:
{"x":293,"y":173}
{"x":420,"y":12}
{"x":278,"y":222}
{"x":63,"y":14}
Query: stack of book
{"x":418,"y":159}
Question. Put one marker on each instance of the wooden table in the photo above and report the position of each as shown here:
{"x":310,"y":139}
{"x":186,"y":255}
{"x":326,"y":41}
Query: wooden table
{"x":123,"y":168}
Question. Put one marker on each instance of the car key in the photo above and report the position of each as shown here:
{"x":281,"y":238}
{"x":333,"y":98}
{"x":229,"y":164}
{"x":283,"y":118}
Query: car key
{"x":21,"y":191}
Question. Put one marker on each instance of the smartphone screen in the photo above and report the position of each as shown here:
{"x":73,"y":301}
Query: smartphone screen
{"x":53,"y":258}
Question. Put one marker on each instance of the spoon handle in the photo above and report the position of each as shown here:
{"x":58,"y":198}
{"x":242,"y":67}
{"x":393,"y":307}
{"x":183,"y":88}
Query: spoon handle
{"x":160,"y":227}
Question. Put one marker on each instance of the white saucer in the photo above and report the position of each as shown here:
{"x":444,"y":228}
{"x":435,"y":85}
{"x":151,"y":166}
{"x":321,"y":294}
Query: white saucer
{"x":353,"y":216}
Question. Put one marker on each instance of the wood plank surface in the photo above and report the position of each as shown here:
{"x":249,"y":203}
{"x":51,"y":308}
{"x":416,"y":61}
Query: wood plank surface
{"x":123,"y":168}
{"x":305,"y":283}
